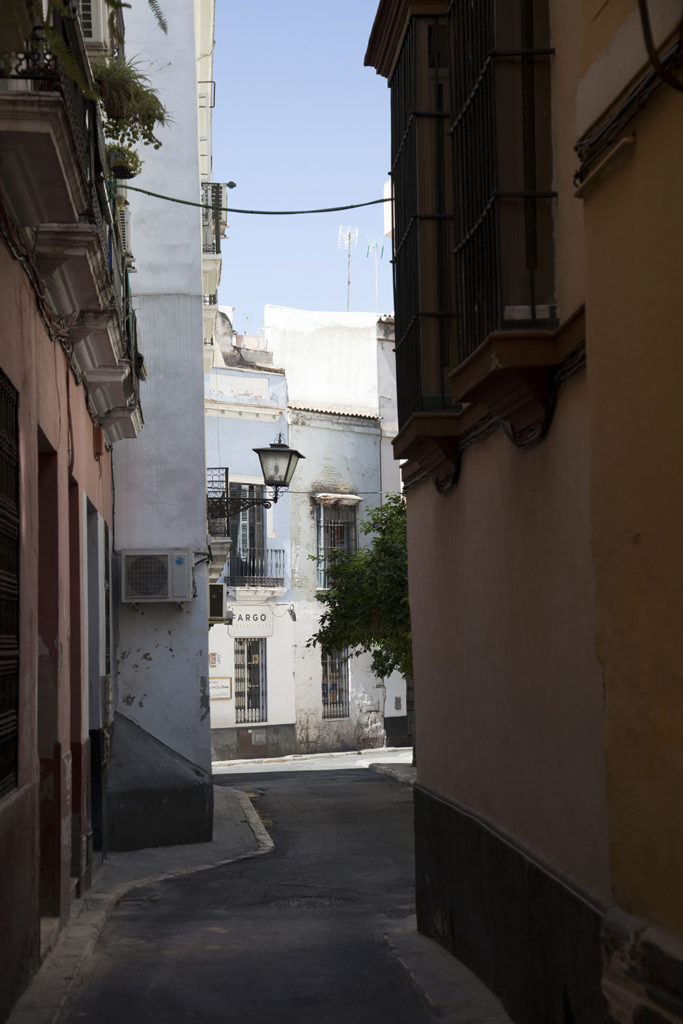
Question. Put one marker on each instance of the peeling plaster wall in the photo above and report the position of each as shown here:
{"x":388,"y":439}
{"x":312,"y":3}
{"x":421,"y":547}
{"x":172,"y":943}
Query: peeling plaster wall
{"x":342,"y":456}
{"x":159,"y":478}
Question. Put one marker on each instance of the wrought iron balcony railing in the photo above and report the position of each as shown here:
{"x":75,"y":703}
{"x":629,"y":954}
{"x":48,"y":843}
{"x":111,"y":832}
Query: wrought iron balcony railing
{"x":217,"y":511}
{"x":212,"y":195}
{"x":253,"y":567}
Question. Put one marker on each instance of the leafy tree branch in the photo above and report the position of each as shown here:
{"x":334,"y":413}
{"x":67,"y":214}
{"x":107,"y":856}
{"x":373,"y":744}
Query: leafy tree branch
{"x":366,"y":606}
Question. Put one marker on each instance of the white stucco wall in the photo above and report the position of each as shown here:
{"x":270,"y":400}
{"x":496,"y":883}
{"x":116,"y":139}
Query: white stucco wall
{"x":330,"y":358}
{"x":162,"y":680}
{"x":279,"y":667}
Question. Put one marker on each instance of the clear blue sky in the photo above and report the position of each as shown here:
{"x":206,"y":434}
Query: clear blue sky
{"x":299,"y":122}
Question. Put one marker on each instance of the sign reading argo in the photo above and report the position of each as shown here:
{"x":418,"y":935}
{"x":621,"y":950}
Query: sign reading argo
{"x":251,"y":620}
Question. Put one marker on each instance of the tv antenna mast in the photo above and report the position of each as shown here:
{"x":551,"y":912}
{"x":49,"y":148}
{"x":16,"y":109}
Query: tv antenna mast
{"x":347,"y":239}
{"x":375,"y":250}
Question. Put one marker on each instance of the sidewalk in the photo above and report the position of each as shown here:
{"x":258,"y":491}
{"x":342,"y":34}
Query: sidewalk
{"x":237,"y":834}
{"x":454,"y":993}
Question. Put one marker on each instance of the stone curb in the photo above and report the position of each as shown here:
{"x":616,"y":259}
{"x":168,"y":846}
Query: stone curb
{"x":264,"y":843}
{"x":366,"y":752}
{"x":47,"y":994}
{"x":452,"y":991}
{"x":405,"y":773}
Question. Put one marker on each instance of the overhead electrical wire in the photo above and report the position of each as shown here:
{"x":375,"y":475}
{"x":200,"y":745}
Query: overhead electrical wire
{"x":234,"y":209}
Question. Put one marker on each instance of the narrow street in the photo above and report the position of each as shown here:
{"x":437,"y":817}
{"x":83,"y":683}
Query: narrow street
{"x":297,"y":935}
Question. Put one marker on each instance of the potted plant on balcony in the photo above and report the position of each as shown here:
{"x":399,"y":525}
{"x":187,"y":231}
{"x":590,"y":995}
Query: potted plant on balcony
{"x":132,"y":107}
{"x":124,"y":162}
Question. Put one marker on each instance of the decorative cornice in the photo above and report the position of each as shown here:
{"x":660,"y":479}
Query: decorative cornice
{"x":513,"y":376}
{"x":389,"y":29}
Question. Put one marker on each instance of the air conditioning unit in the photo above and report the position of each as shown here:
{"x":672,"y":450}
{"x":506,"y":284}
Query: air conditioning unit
{"x":153,"y":575}
{"x":124,"y":229}
{"x":217,"y":602}
{"x":95,"y":24}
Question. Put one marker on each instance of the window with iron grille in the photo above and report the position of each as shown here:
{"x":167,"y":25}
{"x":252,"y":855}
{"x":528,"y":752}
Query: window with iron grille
{"x":107,"y":602}
{"x":336,"y":530}
{"x":9,"y":586}
{"x":502,"y":157}
{"x":250,"y":680}
{"x":423,"y":218}
{"x":217,"y":487}
{"x":335,"y":685}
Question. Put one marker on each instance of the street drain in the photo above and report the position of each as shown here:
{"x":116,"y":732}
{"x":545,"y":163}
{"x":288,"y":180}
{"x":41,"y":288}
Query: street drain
{"x":306,"y":902}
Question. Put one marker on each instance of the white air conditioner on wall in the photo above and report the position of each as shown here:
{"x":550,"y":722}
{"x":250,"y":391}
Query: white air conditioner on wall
{"x":153,"y":575}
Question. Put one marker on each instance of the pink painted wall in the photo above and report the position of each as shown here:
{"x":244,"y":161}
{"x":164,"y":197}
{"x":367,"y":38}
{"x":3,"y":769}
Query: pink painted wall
{"x":508,"y":690}
{"x":49,"y":400}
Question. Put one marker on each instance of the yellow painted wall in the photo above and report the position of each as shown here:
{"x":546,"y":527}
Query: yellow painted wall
{"x":634,"y":236}
{"x":601,"y":20}
{"x":501,"y":593}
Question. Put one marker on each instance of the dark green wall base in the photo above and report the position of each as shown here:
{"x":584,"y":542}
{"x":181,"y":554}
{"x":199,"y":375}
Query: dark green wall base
{"x":532,"y":939}
{"x":155,"y":797}
{"x":396,"y":730}
{"x":253,"y":741}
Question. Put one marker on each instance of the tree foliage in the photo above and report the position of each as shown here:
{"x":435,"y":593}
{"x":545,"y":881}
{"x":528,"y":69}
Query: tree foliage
{"x":366,"y":606}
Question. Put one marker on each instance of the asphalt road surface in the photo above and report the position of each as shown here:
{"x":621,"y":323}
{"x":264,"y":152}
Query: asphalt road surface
{"x":292,"y":937}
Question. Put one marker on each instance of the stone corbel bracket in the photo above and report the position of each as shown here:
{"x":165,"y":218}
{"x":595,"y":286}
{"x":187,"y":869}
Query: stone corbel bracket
{"x":511,"y":381}
{"x":514,"y":376}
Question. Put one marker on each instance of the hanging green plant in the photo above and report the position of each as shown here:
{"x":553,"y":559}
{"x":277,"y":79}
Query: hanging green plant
{"x":124,"y":162}
{"x":133,"y":108}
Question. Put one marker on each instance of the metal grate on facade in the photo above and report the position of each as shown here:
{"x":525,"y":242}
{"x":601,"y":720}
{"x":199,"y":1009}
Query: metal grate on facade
{"x":423,"y":219}
{"x":251,"y":698}
{"x":335,"y":684}
{"x":337,"y":530}
{"x":472,"y":183}
{"x":502,"y":160}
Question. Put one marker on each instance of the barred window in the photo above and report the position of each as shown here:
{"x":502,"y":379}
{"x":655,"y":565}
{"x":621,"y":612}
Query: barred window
{"x":335,"y":684}
{"x":336,"y":530}
{"x":502,"y":155}
{"x":250,"y":680}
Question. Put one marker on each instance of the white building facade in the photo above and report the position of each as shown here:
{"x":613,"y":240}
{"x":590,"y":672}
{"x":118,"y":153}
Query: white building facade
{"x":325,"y":382}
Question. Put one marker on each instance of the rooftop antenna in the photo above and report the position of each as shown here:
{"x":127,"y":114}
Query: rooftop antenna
{"x":347,"y":239}
{"x":375,"y":250}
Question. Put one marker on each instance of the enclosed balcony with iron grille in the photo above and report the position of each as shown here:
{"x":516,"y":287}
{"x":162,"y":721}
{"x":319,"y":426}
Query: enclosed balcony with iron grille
{"x":500,"y":134}
{"x":479,"y":343}
{"x":472,"y":178}
{"x":423,"y":219}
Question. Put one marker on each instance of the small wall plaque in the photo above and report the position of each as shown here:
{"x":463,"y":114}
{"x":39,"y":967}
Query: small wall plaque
{"x":220,"y":687}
